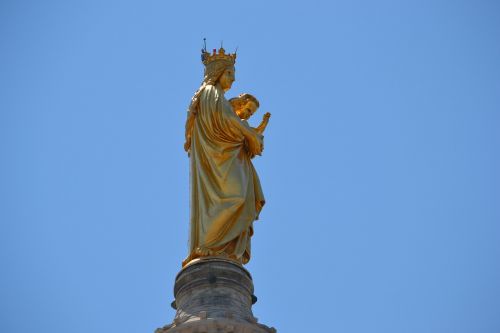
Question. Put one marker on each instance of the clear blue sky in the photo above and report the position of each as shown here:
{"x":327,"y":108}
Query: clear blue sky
{"x":381,"y":168}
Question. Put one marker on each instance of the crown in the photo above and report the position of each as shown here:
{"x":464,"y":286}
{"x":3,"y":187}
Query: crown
{"x":207,"y":58}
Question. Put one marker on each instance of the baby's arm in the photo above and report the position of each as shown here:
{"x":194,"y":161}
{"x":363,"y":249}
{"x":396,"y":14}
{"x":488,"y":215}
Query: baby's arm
{"x":265,"y":120}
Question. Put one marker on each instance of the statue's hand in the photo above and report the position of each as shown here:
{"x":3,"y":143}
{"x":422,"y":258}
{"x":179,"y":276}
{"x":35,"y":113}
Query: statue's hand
{"x":255,"y":147}
{"x":267,"y":115}
{"x":187,"y":144}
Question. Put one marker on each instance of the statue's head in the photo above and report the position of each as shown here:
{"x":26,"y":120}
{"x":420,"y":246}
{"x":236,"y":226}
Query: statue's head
{"x":219,"y":68}
{"x":227,"y":78}
{"x":244,"y":105}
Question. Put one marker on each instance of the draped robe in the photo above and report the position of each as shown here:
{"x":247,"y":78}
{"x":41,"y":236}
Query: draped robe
{"x":226,"y":196}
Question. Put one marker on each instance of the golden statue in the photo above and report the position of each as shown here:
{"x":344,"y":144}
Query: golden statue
{"x":226,"y":196}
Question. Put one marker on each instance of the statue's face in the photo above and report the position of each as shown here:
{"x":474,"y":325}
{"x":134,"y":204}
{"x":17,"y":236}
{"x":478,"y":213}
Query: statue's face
{"x":227,"y":78}
{"x":247,"y":110}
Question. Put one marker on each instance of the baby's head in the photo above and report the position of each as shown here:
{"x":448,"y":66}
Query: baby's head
{"x":244,"y":105}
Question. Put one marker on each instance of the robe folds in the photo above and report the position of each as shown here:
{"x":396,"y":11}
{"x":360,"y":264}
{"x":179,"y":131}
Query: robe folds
{"x":226,"y":196}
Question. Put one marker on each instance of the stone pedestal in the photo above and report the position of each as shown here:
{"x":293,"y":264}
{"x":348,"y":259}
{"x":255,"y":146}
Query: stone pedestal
{"x":214,"y":296}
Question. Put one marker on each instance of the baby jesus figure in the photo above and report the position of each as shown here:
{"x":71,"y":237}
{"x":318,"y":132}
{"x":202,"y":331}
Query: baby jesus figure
{"x":245,"y":105}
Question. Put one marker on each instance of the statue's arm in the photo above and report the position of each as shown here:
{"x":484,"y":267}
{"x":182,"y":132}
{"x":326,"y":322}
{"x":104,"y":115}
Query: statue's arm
{"x":265,"y":120}
{"x":253,"y":140}
{"x":189,"y":130}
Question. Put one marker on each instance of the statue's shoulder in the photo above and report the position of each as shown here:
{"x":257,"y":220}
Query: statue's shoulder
{"x":210,"y":88}
{"x":211,"y":91}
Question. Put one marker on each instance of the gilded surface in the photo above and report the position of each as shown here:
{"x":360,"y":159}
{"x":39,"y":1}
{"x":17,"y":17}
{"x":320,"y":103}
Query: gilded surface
{"x":225,"y":191}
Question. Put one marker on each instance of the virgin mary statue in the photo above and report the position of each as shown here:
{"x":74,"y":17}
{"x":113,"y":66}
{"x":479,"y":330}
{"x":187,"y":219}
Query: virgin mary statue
{"x":225,"y":192}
